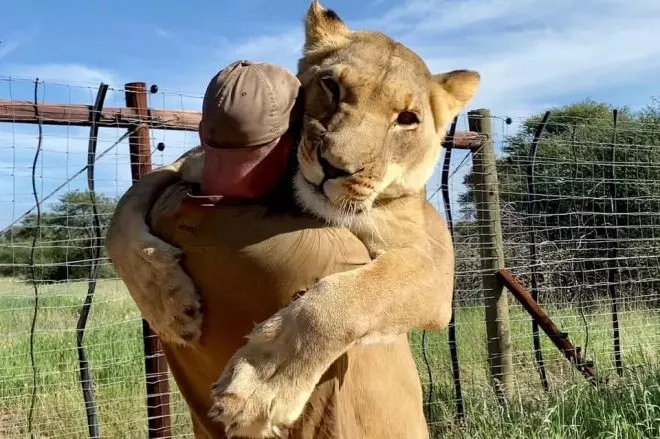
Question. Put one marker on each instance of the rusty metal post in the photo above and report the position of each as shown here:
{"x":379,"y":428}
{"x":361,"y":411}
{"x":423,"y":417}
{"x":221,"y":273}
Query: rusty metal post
{"x":560,"y":339}
{"x":155,"y":363}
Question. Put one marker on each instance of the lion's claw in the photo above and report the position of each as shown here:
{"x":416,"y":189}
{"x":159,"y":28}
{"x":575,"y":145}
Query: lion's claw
{"x":265,"y":386}
{"x":180,"y":317}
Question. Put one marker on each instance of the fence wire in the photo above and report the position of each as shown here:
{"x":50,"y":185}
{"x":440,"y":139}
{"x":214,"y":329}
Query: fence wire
{"x":64,"y":252}
{"x":585,"y":234}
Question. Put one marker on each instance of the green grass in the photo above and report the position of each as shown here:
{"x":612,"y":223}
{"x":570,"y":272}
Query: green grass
{"x":114,"y":349}
{"x":628,"y":407}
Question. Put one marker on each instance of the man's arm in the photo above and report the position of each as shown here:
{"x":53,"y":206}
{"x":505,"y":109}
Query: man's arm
{"x":164,"y":293}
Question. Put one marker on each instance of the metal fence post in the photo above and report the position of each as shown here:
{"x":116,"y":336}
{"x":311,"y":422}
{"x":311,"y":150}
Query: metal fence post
{"x":155,"y":363}
{"x":496,"y":303}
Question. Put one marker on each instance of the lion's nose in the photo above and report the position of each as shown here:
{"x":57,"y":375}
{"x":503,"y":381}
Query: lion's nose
{"x":329,"y":170}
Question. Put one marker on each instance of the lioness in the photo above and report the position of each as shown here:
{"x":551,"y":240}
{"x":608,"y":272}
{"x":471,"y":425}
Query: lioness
{"x":374,"y":121}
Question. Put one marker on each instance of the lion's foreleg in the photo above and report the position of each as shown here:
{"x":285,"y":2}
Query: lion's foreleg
{"x":399,"y":291}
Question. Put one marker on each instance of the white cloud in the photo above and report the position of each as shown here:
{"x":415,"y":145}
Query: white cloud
{"x":65,"y":83}
{"x":433,"y":16}
{"x":10,"y":43}
{"x":7,"y":47}
{"x":557,"y":49}
{"x":65,"y":73}
{"x":162,"y":33}
{"x":531,"y":54}
{"x":286,"y":46}
{"x":527,"y":51}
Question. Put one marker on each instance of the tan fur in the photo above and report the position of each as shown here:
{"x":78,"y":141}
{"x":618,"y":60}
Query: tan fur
{"x":356,"y":84}
{"x":149,"y":266}
{"x":384,"y":166}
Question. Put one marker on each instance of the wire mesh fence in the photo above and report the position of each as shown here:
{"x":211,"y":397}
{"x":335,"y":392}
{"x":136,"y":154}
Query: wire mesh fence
{"x":40,"y":382}
{"x":579,"y":224}
{"x":578,"y":200}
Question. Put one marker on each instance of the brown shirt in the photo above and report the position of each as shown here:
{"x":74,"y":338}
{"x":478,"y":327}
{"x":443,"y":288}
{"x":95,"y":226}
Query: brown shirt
{"x":247,"y":264}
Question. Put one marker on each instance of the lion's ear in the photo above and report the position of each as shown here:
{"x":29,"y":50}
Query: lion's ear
{"x":323,"y":28}
{"x":451,"y":94}
{"x":460,"y":85}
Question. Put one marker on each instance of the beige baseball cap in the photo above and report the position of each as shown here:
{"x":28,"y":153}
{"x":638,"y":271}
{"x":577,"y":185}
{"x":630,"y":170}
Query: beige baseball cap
{"x":247,"y":104}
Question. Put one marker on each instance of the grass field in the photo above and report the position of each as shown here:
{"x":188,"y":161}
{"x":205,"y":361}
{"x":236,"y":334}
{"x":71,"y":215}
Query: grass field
{"x":627,"y":408}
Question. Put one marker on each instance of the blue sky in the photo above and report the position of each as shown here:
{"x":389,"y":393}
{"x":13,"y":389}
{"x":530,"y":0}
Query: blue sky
{"x":531,"y":54}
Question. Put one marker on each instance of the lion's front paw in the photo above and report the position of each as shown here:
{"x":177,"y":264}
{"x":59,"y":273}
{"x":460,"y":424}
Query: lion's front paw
{"x":180,"y":320}
{"x":183,"y":307}
{"x":252,"y":405}
{"x":265,"y":386}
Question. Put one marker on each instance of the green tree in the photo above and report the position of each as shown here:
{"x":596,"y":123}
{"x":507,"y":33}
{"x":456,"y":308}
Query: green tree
{"x":64,"y":240}
{"x":597,"y":195}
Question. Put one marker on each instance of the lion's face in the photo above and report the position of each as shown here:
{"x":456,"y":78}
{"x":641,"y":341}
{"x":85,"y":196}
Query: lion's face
{"x":374,"y":119}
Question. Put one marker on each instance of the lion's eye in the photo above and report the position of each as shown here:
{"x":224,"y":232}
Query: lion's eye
{"x":332,"y":88}
{"x":407,"y":118}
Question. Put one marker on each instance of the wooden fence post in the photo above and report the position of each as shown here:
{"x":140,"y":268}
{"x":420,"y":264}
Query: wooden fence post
{"x":484,"y":171}
{"x":155,"y":363}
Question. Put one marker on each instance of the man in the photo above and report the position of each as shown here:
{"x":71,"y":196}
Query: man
{"x":250,"y":252}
